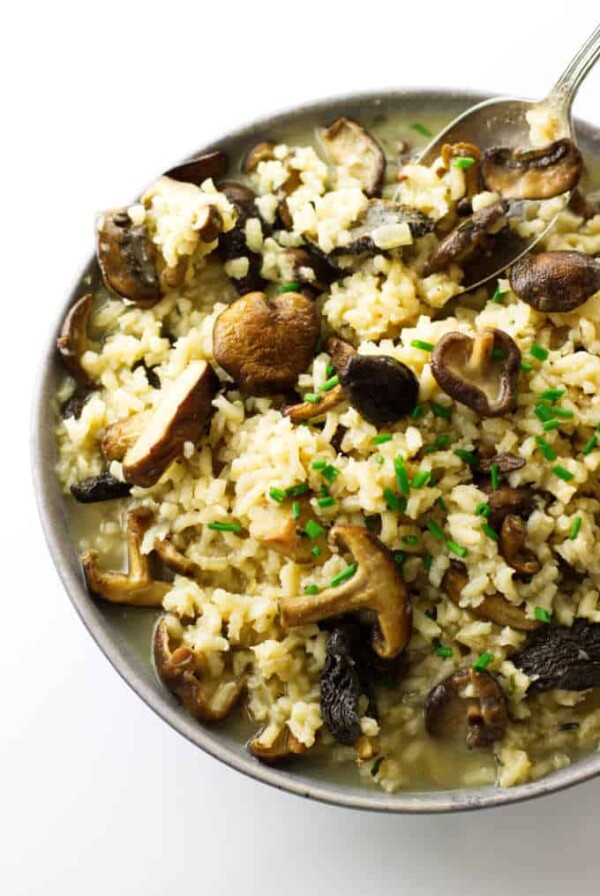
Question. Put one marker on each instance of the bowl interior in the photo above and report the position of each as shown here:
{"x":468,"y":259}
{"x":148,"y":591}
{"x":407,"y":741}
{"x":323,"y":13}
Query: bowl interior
{"x":124,"y":635}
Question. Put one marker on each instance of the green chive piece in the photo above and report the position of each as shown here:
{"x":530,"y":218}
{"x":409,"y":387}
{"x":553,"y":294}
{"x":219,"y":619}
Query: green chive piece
{"x":330,"y":383}
{"x":552,"y":394}
{"x":225,"y":527}
{"x":427,"y":561}
{"x":277,"y":494}
{"x":329,"y":472}
{"x":431,"y":614}
{"x":401,"y":475}
{"x":399,"y":557}
{"x":575,"y":527}
{"x":538,"y":352}
{"x":312,"y":398}
{"x":549,"y":425}
{"x":311,"y":589}
{"x":421,"y":129}
{"x":443,"y":651}
{"x":442,"y":442}
{"x":526,"y":366}
{"x":563,"y":473}
{"x":289,"y":287}
{"x":546,"y":449}
{"x":589,"y":446}
{"x":463,"y":162}
{"x":498,"y":296}
{"x":542,"y":615}
{"x":483,"y":661}
{"x":374,"y":770}
{"x":424,"y":346}
{"x":379,"y":458}
{"x":494,"y":475}
{"x":313,"y":530}
{"x":440,"y":410}
{"x":316,"y":551}
{"x":442,"y":504}
{"x":421,"y":478}
{"x":435,"y":530}
{"x":498,"y":354}
{"x":330,"y":369}
{"x":416,"y":412}
{"x":295,"y":510}
{"x":455,"y":548}
{"x":324,"y":491}
{"x":468,"y":457}
{"x":597,"y":427}
{"x":382,"y":438}
{"x":318,"y":464}
{"x":483,"y":509}
{"x":543,"y":413}
{"x":343,"y":575}
{"x":326,"y":502}
{"x":393,"y":502}
{"x":411,"y":539}
{"x":294,"y":491}
{"x":491,"y":533}
{"x":563,"y":413}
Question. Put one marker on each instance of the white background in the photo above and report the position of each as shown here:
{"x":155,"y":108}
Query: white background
{"x":97,"y":795}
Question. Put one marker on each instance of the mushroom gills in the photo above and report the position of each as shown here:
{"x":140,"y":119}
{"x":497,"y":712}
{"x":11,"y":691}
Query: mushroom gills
{"x":127,"y":258}
{"x":350,"y":146}
{"x":469,"y":704}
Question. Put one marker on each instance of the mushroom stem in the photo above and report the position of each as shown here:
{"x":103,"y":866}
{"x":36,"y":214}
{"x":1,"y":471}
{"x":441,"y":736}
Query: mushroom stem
{"x":481,"y":352}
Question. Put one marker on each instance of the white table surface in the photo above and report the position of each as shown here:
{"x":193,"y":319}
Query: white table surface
{"x":97,"y":795}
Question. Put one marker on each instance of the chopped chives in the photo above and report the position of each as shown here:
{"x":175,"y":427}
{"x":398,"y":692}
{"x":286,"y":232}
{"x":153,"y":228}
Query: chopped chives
{"x":552,"y":394}
{"x":443,"y":651}
{"x":483,"y":509}
{"x":431,"y":614}
{"x":382,"y":438}
{"x":399,"y":557}
{"x":424,"y":346}
{"x":327,"y":501}
{"x":295,"y":510}
{"x":277,"y":494}
{"x":491,"y":533}
{"x":575,"y":527}
{"x":526,"y":366}
{"x":318,"y":464}
{"x":416,"y":412}
{"x":546,"y":449}
{"x":393,"y":502}
{"x":289,"y":287}
{"x":311,"y":589}
{"x":440,"y":442}
{"x":494,"y":475}
{"x":435,"y":530}
{"x":468,"y":457}
{"x":421,"y":129}
{"x":442,"y":504}
{"x":316,"y":551}
{"x":538,"y":352}
{"x":543,"y":413}
{"x":440,"y":410}
{"x":455,"y":548}
{"x":498,"y":354}
{"x":563,"y":413}
{"x":294,"y":491}
{"x":343,"y":575}
{"x":498,"y":296}
{"x":225,"y":527}
{"x":421,"y":478}
{"x":411,"y":539}
{"x":463,"y":162}
{"x":330,"y":383}
{"x":590,"y":445}
{"x":313,"y":530}
{"x":324,"y":491}
{"x":542,"y":615}
{"x":401,"y":475}
{"x":562,"y":473}
{"x":330,"y":370}
{"x":312,"y":398}
{"x":427,"y":561}
{"x":549,"y":425}
{"x":374,"y":770}
{"x":329,"y":472}
{"x":483,"y":661}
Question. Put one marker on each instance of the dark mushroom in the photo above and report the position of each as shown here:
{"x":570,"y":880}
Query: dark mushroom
{"x":341,"y":689}
{"x":151,"y":374}
{"x":262,"y":152}
{"x":179,"y":417}
{"x":493,"y":607}
{"x":467,"y":697}
{"x":471,"y":370}
{"x":233,"y":243}
{"x":308,"y":410}
{"x":376,"y":585}
{"x":74,"y":405}
{"x":351,"y":146}
{"x":532,"y":174}
{"x":73,"y":338}
{"x":555,"y":281}
{"x":310,"y":266}
{"x":561,"y":657}
{"x":503,"y":460}
{"x":372,"y":234}
{"x":585,"y":205}
{"x":277,"y":529}
{"x":120,"y":436}
{"x":264,"y":344}
{"x":197,"y":170}
{"x":127,"y":258}
{"x":380,"y":388}
{"x":104,"y":487}
{"x":174,"y":560}
{"x":472,"y":236}
{"x":511,"y":546}
{"x":283,"y":747}
{"x":506,"y":500}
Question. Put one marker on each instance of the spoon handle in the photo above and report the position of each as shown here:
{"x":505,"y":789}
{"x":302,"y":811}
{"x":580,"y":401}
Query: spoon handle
{"x":563,"y":92}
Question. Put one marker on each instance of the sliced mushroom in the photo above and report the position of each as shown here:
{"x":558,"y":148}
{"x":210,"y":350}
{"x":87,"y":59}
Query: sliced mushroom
{"x":341,"y":689}
{"x":276,"y":528}
{"x":469,"y":238}
{"x":555,"y":281}
{"x":380,"y":388}
{"x":532,"y":174}
{"x":561,"y":657}
{"x":503,"y":460}
{"x":179,"y":417}
{"x":376,"y":585}
{"x":493,"y":608}
{"x":511,"y":545}
{"x":104,"y":487}
{"x":120,"y":436}
{"x":127,"y":258}
{"x":283,"y":747}
{"x":307,"y":410}
{"x":135,"y":588}
{"x":181,"y":672}
{"x":472,"y":174}
{"x":262,"y":152}
{"x":175,"y":560}
{"x":74,"y":405}
{"x":73,"y":339}
{"x":585,"y":205}
{"x":351,"y":146}
{"x":233,"y":243}
{"x":383,"y":226}
{"x":312,"y":267}
{"x":264,"y":344}
{"x":466,"y":369}
{"x":506,"y":500}
{"x":197,"y":170}
{"x":467,"y":696}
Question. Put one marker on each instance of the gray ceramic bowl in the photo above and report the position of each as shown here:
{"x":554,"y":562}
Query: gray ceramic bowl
{"x":126,"y":640}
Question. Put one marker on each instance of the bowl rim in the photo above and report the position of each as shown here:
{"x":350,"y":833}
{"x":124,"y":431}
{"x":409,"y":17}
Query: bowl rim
{"x":50,"y":504}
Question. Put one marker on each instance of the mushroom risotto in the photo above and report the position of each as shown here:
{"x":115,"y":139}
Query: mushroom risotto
{"x":363,"y":500}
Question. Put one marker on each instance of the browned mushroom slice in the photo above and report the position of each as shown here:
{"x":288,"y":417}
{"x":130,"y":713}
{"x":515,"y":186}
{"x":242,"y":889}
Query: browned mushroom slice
{"x":470,"y":169}
{"x":587,"y":205}
{"x":533,"y":174}
{"x":503,"y":460}
{"x":505,"y":500}
{"x":181,"y":672}
{"x":376,"y":585}
{"x":340,"y":351}
{"x":120,"y":436}
{"x":276,"y":528}
{"x":136,"y":587}
{"x":470,"y":700}
{"x":307,"y":410}
{"x":379,"y":226}
{"x":283,"y":747}
{"x":197,"y":170}
{"x":351,"y":146}
{"x":312,"y":267}
{"x":178,"y":418}
{"x":72,"y":341}
{"x":555,"y":281}
{"x":233,"y":243}
{"x":104,"y":487}
{"x":127,"y":258}
{"x":469,"y":238}
{"x":262,"y":152}
{"x":493,"y":608}
{"x":480,"y":372}
{"x":511,"y":545}
{"x":264,"y":344}
{"x":175,"y":560}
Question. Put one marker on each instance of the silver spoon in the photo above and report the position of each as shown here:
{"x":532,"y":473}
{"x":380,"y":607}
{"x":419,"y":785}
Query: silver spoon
{"x":502,"y":122}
